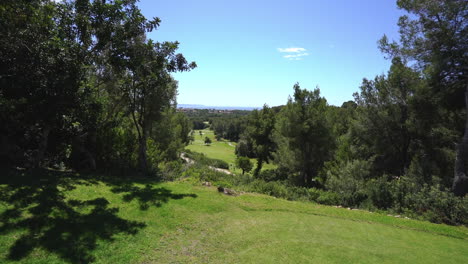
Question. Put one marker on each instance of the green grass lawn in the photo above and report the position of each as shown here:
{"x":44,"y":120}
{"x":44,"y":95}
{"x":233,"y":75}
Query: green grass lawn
{"x":64,"y":218}
{"x":223,"y":150}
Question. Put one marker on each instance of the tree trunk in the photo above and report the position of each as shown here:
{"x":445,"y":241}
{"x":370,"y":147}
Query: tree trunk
{"x":142,"y":156}
{"x":308,"y":177}
{"x":90,"y":159}
{"x":259,"y":167}
{"x":90,"y":154}
{"x":460,"y":181}
{"x":82,"y":157}
{"x":307,"y":165}
{"x":42,"y":147}
{"x":405,"y":135}
{"x":142,"y":132}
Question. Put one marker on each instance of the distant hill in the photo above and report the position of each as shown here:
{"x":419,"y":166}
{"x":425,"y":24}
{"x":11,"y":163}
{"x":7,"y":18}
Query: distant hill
{"x":197,"y":106}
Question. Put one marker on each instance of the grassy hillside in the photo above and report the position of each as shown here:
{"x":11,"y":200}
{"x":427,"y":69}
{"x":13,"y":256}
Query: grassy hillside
{"x":223,"y":150}
{"x":65,"y":218}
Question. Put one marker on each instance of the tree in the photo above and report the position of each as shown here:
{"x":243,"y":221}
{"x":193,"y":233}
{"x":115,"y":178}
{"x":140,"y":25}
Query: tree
{"x":303,"y":136}
{"x":259,"y":132}
{"x":149,"y":88}
{"x":244,"y":163}
{"x":71,"y":75}
{"x":105,"y":30}
{"x":40,"y":75}
{"x":192,"y":136}
{"x":207,"y":141}
{"x":435,"y":39}
{"x":341,"y":117}
{"x":169,"y":135}
{"x":382,"y":129}
{"x":244,"y":147}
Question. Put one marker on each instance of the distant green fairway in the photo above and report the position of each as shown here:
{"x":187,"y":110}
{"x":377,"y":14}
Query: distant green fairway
{"x":179,"y":222}
{"x":223,"y":150}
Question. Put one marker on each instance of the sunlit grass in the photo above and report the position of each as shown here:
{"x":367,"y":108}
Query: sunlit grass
{"x":182,"y":223}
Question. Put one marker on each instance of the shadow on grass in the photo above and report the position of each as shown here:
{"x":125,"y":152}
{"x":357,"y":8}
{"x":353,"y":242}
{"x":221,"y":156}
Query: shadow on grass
{"x":38,"y":209}
{"x":148,"y":195}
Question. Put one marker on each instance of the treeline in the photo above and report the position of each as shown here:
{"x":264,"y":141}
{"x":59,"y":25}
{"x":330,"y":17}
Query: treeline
{"x":82,"y":87}
{"x":372,"y":153}
{"x":228,"y":128}
{"x":231,"y":127}
{"x":398,"y":145}
{"x":225,"y":125}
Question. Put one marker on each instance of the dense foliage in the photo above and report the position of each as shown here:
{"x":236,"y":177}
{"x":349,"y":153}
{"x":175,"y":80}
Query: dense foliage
{"x":82,"y":87}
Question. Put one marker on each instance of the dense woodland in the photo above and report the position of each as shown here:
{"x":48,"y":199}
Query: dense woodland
{"x":82,"y":88}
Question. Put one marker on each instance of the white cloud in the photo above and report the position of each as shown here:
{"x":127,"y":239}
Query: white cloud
{"x":292,"y":49}
{"x":296,"y":55}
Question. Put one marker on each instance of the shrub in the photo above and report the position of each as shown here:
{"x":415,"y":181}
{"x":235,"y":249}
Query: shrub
{"x":171,"y":171}
{"x":204,"y":160}
{"x":275,"y":189}
{"x":438,"y":206}
{"x":328,"y":198}
{"x":273,"y":175}
{"x":380,"y":193}
{"x":218,"y":163}
{"x":348,"y":181}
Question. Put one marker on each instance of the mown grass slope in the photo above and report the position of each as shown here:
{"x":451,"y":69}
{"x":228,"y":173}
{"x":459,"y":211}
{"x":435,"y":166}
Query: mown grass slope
{"x":74,"y":220}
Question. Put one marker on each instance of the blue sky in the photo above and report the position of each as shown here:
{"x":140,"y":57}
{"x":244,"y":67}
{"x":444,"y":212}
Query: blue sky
{"x":252,"y":52}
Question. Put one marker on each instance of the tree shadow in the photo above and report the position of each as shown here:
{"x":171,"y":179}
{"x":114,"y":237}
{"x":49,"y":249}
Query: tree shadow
{"x":148,"y":195}
{"x":39,"y":211}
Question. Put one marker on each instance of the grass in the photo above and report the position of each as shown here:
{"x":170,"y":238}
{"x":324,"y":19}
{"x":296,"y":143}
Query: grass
{"x":64,"y":218}
{"x":223,"y":150}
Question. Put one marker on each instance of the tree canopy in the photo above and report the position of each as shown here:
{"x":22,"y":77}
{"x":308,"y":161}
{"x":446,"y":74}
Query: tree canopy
{"x":75,"y":76}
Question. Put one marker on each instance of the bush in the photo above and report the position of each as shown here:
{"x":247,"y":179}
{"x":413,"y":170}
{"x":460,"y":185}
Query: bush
{"x":349,"y":181}
{"x":204,"y":160}
{"x":438,"y":206}
{"x":273,"y":175}
{"x":380,"y":193}
{"x":275,"y":189}
{"x":172,"y":170}
{"x":328,"y":198}
{"x":279,"y":189}
{"x":218,"y":163}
